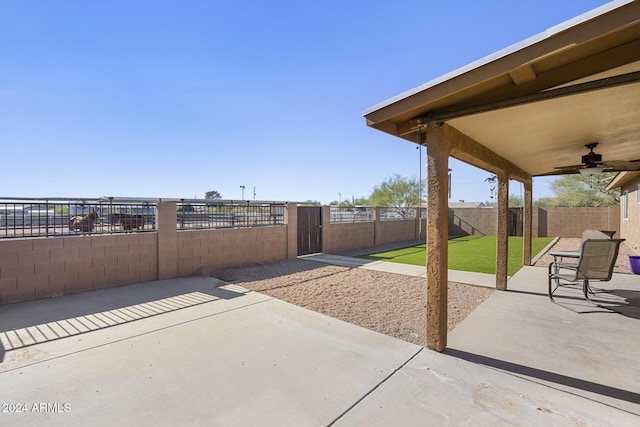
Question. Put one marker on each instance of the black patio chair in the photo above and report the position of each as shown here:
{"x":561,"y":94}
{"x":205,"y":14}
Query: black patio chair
{"x":595,"y":262}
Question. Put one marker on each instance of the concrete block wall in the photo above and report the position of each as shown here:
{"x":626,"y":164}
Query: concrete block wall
{"x":472,"y":221}
{"x":337,"y":237}
{"x":225,"y":248}
{"x":395,"y":231}
{"x":34,"y":268}
{"x":546,"y":222}
{"x":46,"y":267}
{"x":571,"y":222}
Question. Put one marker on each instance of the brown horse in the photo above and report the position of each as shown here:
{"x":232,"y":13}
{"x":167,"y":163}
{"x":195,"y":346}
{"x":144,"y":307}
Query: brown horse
{"x":84,"y":223}
{"x":127,"y":221}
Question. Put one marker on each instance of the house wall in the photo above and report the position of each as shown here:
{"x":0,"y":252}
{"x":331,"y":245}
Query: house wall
{"x":630,"y":226}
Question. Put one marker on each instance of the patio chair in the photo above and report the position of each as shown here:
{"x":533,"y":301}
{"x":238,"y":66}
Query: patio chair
{"x":595,"y":262}
{"x":586,"y":234}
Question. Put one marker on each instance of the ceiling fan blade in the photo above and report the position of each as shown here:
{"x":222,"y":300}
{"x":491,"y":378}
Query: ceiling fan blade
{"x":571,"y":167}
{"x":621,"y":165}
{"x":562,"y":171}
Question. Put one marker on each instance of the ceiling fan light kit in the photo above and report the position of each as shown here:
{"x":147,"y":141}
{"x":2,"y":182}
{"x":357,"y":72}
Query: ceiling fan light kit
{"x":591,"y":170}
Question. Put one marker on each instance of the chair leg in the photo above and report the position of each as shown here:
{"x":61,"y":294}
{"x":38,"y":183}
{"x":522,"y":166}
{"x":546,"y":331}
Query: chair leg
{"x":550,"y":278}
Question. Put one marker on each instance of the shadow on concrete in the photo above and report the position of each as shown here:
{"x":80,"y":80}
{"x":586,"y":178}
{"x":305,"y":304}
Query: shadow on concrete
{"x":548,"y":376}
{"x":625,"y":302}
{"x":34,"y":322}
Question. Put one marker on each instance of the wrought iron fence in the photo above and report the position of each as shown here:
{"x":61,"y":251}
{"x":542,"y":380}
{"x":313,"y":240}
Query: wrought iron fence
{"x":228,"y":214}
{"x":350,"y":214}
{"x":20,"y":217}
{"x":396,"y":213}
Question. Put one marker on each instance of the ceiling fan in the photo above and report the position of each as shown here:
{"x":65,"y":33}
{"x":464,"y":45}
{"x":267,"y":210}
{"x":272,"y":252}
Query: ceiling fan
{"x":592,"y":163}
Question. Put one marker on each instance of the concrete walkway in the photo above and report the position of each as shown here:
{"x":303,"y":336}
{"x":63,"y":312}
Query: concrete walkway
{"x":195,"y":351}
{"x":471,"y":278}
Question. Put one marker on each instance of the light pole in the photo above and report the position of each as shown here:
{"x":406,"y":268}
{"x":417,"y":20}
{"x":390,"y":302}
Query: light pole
{"x":243,"y":187}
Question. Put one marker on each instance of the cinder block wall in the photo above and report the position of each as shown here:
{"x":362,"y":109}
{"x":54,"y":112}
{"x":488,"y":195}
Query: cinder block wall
{"x":472,"y":221}
{"x":338,"y":237}
{"x":546,"y":222}
{"x":571,"y":222}
{"x":46,"y":267}
{"x":396,"y":231}
{"x":225,"y":248}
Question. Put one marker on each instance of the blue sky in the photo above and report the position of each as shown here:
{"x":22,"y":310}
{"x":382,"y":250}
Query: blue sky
{"x":176,"y":98}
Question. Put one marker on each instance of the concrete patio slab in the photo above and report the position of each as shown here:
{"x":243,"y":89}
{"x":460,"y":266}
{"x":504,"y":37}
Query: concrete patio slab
{"x":234,"y":358}
{"x":436,"y":389}
{"x":244,"y":360}
{"x":569,"y":345}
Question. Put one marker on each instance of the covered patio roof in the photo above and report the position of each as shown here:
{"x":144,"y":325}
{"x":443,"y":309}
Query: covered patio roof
{"x":538,"y":102}
{"x":527,"y":110}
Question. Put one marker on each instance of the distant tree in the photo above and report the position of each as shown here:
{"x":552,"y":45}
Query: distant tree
{"x":398,"y":192}
{"x":515,"y":201}
{"x":360,"y":201}
{"x":212,"y":195}
{"x":544,"y":202}
{"x":584,"y":191}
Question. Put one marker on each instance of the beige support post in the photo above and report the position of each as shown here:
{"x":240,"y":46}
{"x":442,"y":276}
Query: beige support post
{"x":437,"y":237}
{"x":418,"y":226}
{"x":325,"y":230}
{"x":527,"y":226}
{"x":167,"y":240}
{"x":291,"y":219}
{"x":502,"y":237}
{"x":376,"y":224}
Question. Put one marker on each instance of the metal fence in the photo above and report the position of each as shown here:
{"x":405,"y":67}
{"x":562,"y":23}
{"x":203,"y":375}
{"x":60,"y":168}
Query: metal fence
{"x":350,"y":214}
{"x":365,"y":213}
{"x":229,"y":214}
{"x":64,"y":217}
{"x":393,"y":213}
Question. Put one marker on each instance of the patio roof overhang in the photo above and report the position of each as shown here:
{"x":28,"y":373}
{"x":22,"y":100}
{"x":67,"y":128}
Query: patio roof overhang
{"x":537,"y":103}
{"x":521,"y":112}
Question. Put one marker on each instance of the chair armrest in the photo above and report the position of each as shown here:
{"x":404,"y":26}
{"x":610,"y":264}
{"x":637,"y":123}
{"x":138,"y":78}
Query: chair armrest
{"x":567,"y":254}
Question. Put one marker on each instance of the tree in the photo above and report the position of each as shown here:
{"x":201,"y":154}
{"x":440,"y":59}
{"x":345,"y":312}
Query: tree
{"x":515,"y":201}
{"x":346,"y":203}
{"x":212,"y":195}
{"x":584,"y":191}
{"x":398,"y":192}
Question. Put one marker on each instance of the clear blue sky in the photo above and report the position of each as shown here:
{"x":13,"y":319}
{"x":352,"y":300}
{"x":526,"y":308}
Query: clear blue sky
{"x":175,"y":98}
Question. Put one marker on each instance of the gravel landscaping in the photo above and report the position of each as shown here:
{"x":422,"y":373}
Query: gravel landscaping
{"x":388,"y":303}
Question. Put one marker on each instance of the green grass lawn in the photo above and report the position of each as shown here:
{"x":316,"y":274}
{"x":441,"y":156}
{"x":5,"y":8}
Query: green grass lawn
{"x":469,"y":253}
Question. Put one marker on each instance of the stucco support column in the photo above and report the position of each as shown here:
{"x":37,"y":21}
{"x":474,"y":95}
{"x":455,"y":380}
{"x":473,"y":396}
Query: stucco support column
{"x":528,"y":222}
{"x":437,"y":237}
{"x":167,"y":222}
{"x":502,"y":231}
{"x":375,"y":217}
{"x":291,"y":219}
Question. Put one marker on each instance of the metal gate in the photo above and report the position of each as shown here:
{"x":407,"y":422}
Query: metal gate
{"x":515,"y":221}
{"x":309,"y":230}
